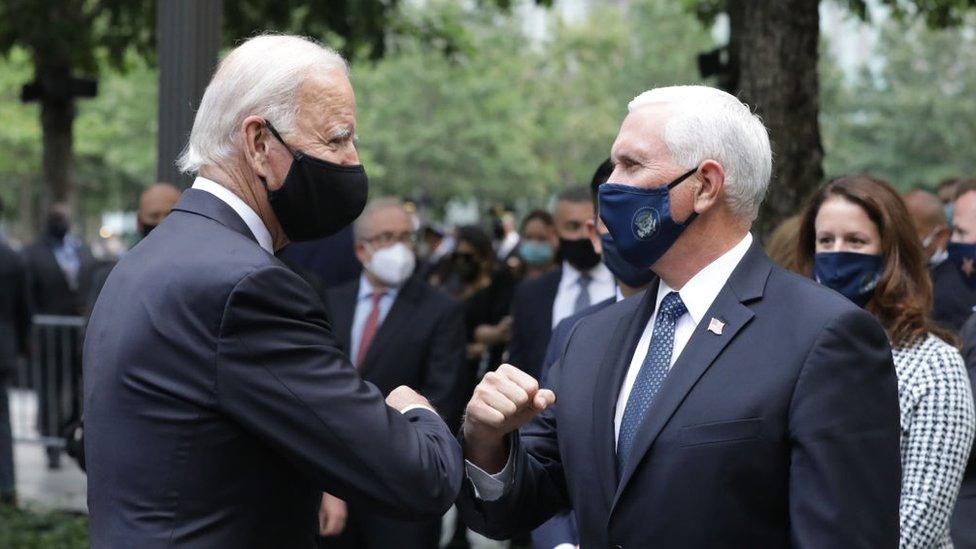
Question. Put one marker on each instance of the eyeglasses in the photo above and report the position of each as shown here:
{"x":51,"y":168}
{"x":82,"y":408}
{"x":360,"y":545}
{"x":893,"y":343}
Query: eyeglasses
{"x":388,"y":239}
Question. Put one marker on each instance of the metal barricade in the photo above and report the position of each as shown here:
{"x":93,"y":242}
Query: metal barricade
{"x":47,"y":392}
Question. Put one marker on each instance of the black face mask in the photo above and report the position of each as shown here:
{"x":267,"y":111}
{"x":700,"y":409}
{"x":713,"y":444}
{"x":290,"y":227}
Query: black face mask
{"x":466,"y":267}
{"x":318,"y":198}
{"x":580,"y":253}
{"x":57,"y":227}
{"x":146,"y":229}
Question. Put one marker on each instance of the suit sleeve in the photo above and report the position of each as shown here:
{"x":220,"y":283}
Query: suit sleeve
{"x":845,"y":468}
{"x":281,"y":376}
{"x":445,"y":363}
{"x":536,"y":488}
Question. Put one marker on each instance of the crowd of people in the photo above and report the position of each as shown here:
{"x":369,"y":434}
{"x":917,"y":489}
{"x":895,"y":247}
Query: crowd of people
{"x":778,"y":412}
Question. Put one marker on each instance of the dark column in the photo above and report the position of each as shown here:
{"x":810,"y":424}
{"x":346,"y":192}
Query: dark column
{"x":188,"y":40}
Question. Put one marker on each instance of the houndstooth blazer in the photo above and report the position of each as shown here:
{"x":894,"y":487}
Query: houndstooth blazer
{"x":937,"y":426}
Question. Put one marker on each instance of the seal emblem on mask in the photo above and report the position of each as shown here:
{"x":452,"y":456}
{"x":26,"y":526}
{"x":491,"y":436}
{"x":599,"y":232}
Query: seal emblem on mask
{"x":645,"y":224}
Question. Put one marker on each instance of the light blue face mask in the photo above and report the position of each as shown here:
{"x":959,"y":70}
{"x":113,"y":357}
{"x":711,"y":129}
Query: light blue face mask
{"x":535,"y":253}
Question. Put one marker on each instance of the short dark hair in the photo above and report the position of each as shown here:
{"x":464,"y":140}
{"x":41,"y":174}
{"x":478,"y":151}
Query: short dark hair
{"x":600,"y":177}
{"x":542,"y":215}
{"x":574,"y":194}
{"x":964,"y":186}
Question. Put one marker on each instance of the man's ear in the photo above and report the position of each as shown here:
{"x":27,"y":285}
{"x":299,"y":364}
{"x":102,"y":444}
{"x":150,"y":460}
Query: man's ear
{"x":711,"y":185}
{"x":257,"y":145}
{"x":594,"y":237}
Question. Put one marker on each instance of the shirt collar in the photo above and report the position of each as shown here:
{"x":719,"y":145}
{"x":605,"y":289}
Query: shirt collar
{"x":699,"y":292}
{"x":245,"y":212}
{"x":571,"y":275}
{"x":366,"y":289}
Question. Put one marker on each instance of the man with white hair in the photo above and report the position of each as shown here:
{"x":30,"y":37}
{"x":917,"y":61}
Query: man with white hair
{"x":218,"y":406}
{"x":735,"y":404}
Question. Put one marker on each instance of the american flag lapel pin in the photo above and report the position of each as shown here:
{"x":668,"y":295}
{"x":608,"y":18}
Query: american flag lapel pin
{"x":716,"y":326}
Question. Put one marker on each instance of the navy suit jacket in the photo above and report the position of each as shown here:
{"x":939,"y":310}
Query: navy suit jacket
{"x":419,"y":344}
{"x":562,"y":527}
{"x":218,"y":406}
{"x":953,"y":298}
{"x":532,"y":321}
{"x":964,"y":517}
{"x":782,"y":431}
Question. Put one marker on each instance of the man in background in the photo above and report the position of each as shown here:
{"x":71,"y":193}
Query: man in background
{"x":14,"y":327}
{"x":60,"y":270}
{"x":582,"y":280}
{"x":398,"y":330}
{"x":954,"y":280}
{"x":928,"y":215}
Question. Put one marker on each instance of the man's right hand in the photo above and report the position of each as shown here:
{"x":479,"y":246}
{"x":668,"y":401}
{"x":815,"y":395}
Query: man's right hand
{"x":505,"y":400}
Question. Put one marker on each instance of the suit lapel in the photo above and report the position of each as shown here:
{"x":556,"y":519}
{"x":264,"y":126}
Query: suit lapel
{"x":549,"y":300}
{"x":403,"y":309}
{"x":623,"y":342}
{"x":744,"y":285}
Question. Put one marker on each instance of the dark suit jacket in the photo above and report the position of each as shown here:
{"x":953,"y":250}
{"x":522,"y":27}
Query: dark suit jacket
{"x":419,"y":344}
{"x":48,"y":289}
{"x":783,"y":431}
{"x":14,"y":311}
{"x":952,"y":298}
{"x":562,"y":527}
{"x":964,"y":516}
{"x":532,"y":321}
{"x":218,"y":406}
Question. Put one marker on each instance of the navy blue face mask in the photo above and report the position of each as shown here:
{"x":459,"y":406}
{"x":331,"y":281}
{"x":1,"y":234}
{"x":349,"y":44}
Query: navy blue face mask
{"x":963,"y":256}
{"x":640,"y":222}
{"x":621,"y":268}
{"x":853,"y":275}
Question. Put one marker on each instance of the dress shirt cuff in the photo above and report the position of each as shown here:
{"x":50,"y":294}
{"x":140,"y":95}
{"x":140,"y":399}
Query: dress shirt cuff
{"x":489,"y":487}
{"x":565,"y":546}
{"x":420,"y":406}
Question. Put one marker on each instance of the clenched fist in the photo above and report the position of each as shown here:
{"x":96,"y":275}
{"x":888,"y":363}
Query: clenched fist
{"x":505,"y":400}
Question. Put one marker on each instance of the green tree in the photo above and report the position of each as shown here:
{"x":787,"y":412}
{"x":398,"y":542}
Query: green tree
{"x":773,"y":59}
{"x":503,"y":117}
{"x":910,"y":123}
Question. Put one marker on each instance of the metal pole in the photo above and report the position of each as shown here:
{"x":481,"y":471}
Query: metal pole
{"x":188,"y":39}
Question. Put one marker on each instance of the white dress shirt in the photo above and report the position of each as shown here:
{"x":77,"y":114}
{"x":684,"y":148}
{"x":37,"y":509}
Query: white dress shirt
{"x":601,"y":288}
{"x":364,"y":306}
{"x":697,"y":295}
{"x":244,"y":211}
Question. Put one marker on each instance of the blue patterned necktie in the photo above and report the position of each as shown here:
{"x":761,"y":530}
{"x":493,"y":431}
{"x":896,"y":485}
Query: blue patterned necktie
{"x":651,"y":375}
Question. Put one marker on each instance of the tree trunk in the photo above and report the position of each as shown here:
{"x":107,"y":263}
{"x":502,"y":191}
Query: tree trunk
{"x":57,"y":121}
{"x":773,"y":55}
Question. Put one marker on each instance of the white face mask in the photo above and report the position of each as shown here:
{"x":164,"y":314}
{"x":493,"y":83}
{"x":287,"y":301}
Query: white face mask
{"x":392,"y":265}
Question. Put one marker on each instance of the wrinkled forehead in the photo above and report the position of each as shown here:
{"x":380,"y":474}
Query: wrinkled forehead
{"x":642,"y":133}
{"x":326,"y":94}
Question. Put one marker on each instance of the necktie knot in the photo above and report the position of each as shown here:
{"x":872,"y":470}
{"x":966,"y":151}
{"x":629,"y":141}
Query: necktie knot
{"x":672,"y":307}
{"x":585,"y":279}
{"x":376,"y":297}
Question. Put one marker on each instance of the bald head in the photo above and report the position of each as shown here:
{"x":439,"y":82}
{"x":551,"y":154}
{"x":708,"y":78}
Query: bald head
{"x":927,"y":211}
{"x":155,"y":204}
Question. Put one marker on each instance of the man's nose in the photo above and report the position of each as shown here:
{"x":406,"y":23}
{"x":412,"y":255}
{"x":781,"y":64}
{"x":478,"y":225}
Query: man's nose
{"x":350,"y":156}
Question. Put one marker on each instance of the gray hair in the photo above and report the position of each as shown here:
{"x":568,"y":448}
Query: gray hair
{"x":261,"y":77}
{"x":360,"y":227}
{"x":706,"y":123}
